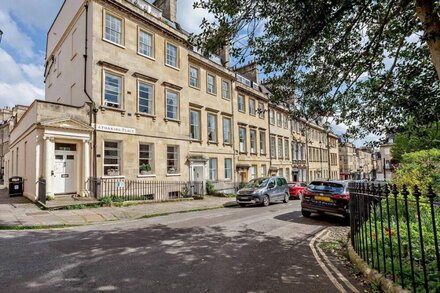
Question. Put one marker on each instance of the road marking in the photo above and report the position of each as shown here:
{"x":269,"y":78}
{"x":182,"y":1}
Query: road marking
{"x":322,"y":265}
{"x":334,"y":269}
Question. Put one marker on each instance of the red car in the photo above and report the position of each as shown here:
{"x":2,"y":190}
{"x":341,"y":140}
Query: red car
{"x":296,"y":189}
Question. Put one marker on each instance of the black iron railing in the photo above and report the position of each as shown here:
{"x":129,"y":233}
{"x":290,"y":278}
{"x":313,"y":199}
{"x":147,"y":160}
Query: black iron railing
{"x":140,"y":189}
{"x":396,"y":232}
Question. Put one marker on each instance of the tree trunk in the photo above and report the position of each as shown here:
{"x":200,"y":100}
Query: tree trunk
{"x":431,"y":24}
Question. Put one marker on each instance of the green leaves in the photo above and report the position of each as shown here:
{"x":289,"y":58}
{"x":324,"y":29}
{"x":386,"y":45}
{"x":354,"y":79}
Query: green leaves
{"x":362,"y":62}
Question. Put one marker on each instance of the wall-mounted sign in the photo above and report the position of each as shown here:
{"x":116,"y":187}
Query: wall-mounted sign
{"x":117,"y":129}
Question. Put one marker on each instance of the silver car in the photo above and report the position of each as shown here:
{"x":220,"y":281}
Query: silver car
{"x":264,"y":191}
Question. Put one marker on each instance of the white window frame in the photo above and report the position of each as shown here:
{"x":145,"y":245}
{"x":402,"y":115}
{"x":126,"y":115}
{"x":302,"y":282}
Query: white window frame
{"x":211,"y":88}
{"x":139,"y":83}
{"x":260,"y":110}
{"x":229,"y":137}
{"x":242,"y":109}
{"x":120,"y":93}
{"x":177,"y":118}
{"x":252,"y":110}
{"x":228,"y":169}
{"x":121,"y":33}
{"x":213,"y":169}
{"x":197,"y":78}
{"x":198,"y":126}
{"x":226,"y":90}
{"x":253,"y":143}
{"x":151,"y":47}
{"x":177,"y":163}
{"x":118,"y":157}
{"x":176,"y":66}
{"x":262,"y":135}
{"x":150,"y":158}
{"x":242,"y":145}
{"x":215,"y":138}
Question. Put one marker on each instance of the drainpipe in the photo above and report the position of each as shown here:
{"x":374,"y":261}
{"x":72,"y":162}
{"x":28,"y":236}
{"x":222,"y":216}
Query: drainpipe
{"x":233,"y":134}
{"x":270,"y":137}
{"x":93,"y":109}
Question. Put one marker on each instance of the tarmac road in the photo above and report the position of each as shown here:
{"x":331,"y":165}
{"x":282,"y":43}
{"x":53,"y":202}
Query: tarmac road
{"x":251,"y":249}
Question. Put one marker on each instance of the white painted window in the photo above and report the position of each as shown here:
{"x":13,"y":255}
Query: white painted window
{"x":212,"y":128}
{"x":213,"y":169}
{"x":252,"y":107}
{"x":228,"y":169}
{"x":194,"y":77}
{"x":280,"y":148}
{"x":112,"y":158}
{"x":261,"y":110}
{"x":241,"y":106}
{"x":145,"y":46}
{"x":211,"y":84}
{"x":242,"y":139}
{"x":225,"y":90}
{"x":271,"y":117}
{"x":263,"y":171}
{"x":253,"y":171}
{"x":262,"y":142}
{"x":195,"y":124}
{"x":112,"y":90}
{"x":113,"y":29}
{"x":286,"y":149}
{"x":253,"y":141}
{"x":171,"y":56}
{"x":273,"y":147}
{"x":227,"y":131}
{"x":278,"y":119}
{"x":146,"y":158}
{"x":172,"y":105}
{"x":145,"y":98}
{"x":172,"y":159}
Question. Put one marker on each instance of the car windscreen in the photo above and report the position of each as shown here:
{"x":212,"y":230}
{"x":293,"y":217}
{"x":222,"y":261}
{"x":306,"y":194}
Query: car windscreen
{"x":333,"y":187}
{"x":257,"y":183}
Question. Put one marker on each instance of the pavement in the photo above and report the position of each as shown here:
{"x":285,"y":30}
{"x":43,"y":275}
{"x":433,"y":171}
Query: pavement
{"x":18,"y":212}
{"x":251,"y":249}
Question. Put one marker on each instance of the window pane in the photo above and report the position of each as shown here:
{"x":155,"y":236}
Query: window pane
{"x":228,"y":169}
{"x":145,"y":43}
{"x":225,"y":90}
{"x":251,"y":107}
{"x":194,"y":77}
{"x":112,"y":90}
{"x":171,"y":55}
{"x":226,"y":130}
{"x":213,"y":169}
{"x":242,"y":139}
{"x":241,"y":103}
{"x":172,"y":105}
{"x":146,"y":158}
{"x":211,"y":84}
{"x":195,"y":124}
{"x":212,"y":128}
{"x":172,"y":159}
{"x":145,"y":98}
{"x":111,"y":159}
{"x":262,"y":142}
{"x":253,"y":140}
{"x":113,"y":29}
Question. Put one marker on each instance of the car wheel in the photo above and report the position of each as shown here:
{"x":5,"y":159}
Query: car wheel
{"x":266,"y":201}
{"x":286,"y":198}
{"x":242,"y":204}
{"x":306,"y":214}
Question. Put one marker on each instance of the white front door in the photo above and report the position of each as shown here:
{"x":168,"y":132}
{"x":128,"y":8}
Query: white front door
{"x":64,"y":177}
{"x":198,"y":179}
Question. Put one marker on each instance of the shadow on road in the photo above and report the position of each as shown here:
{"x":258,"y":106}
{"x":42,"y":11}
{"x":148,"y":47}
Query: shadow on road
{"x":158,"y":258}
{"x":315,"y":219}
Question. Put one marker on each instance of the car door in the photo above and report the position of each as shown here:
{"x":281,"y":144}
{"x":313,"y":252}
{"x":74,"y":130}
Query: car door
{"x":280,"y":188}
{"x":272,"y":192}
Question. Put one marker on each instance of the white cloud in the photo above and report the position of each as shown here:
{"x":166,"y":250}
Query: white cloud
{"x":14,"y":37}
{"x":190,"y":18}
{"x":21,"y":83}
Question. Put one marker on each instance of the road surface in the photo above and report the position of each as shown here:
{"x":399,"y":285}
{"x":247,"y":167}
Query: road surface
{"x":252,"y":249}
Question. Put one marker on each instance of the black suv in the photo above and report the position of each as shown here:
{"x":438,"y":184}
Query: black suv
{"x":330,"y":197}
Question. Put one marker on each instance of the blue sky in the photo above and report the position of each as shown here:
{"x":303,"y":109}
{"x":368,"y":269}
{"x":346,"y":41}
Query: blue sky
{"x":24,"y":24}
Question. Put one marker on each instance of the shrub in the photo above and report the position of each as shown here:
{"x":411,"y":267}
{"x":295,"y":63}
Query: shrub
{"x":421,"y":168}
{"x":210,"y":189}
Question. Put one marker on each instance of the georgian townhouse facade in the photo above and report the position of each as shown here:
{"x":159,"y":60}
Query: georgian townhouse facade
{"x":128,"y":98}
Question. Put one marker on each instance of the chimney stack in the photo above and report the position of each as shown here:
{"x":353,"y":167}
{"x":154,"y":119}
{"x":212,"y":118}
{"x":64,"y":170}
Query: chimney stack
{"x":224,"y":56}
{"x":168,"y":7}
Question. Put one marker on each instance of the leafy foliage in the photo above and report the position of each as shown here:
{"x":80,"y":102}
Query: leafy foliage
{"x":365,"y":63}
{"x":421,"y":168}
{"x":416,"y":139}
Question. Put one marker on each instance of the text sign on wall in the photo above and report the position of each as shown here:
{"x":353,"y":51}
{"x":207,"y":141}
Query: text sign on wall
{"x":117,"y":129}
